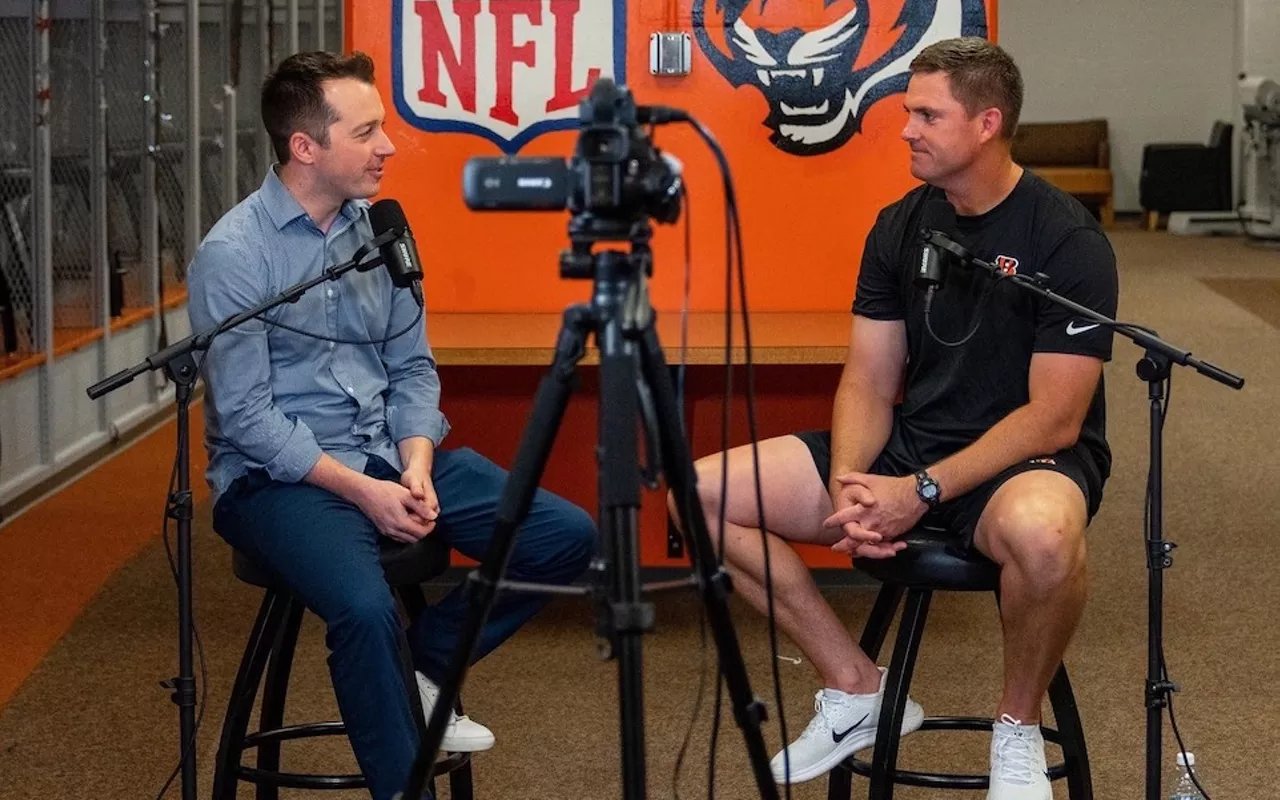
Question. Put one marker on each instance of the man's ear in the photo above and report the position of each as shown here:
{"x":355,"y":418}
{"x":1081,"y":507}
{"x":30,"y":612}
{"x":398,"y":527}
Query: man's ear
{"x":992,"y":123}
{"x":303,"y":148}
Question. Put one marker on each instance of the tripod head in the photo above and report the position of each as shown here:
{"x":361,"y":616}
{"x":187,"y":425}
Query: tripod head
{"x":587,"y":229}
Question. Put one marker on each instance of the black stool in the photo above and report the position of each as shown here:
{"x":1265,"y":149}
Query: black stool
{"x":932,"y":562}
{"x":275,"y":633}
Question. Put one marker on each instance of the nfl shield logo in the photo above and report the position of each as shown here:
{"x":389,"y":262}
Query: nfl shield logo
{"x":507,"y":70}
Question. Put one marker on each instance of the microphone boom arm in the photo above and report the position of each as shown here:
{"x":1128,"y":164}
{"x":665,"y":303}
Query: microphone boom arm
{"x":201,"y":341}
{"x":1035,"y":284}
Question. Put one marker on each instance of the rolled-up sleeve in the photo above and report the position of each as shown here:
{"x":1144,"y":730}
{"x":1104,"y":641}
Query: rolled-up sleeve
{"x":224,"y":281}
{"x":413,"y":394}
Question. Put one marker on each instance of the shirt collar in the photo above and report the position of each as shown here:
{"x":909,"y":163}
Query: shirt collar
{"x":283,"y":208}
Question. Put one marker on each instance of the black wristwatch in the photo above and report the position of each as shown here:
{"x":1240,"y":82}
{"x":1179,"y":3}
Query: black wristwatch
{"x":928,"y":489}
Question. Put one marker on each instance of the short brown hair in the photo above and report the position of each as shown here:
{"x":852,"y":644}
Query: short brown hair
{"x":293,"y":95}
{"x":982,"y":76}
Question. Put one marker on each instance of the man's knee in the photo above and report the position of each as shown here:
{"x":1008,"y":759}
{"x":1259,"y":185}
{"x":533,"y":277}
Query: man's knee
{"x":1040,"y":534}
{"x":580,"y":539}
{"x":704,"y":495}
{"x":364,"y":615}
{"x":565,"y":552}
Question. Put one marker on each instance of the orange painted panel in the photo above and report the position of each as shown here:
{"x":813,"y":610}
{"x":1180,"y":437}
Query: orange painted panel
{"x":496,"y":66}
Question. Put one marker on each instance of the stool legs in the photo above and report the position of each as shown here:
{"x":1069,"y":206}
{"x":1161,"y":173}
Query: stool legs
{"x":270,"y":649}
{"x":243,"y":693}
{"x":905,"y":650}
{"x":414,"y":603}
{"x":1068,"y":731}
{"x":1066,"y":717}
{"x":274,"y":691}
{"x":840,"y":780}
{"x":879,"y":620}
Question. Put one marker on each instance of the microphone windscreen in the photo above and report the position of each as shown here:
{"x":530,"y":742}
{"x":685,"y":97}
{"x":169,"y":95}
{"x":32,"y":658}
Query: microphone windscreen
{"x":386,"y":215}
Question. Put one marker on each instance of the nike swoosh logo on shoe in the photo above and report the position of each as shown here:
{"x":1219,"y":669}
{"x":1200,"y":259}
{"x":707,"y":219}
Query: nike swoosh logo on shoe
{"x":839,"y":737}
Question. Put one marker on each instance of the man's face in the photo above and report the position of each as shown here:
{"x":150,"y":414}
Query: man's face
{"x":944,"y":139}
{"x":351,"y":164}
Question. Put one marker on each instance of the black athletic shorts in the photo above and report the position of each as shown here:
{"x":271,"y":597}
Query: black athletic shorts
{"x":961,"y":514}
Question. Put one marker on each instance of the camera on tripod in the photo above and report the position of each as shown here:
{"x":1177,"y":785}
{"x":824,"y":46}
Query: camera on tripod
{"x":616,"y":180}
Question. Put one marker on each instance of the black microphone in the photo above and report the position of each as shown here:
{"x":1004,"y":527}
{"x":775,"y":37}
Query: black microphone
{"x":939,"y":220}
{"x":400,"y":255}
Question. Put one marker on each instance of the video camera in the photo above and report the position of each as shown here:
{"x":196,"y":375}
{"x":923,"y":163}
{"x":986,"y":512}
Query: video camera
{"x":616,"y":175}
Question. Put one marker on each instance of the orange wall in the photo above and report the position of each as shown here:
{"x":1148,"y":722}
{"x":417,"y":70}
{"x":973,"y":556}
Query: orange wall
{"x":804,"y":217}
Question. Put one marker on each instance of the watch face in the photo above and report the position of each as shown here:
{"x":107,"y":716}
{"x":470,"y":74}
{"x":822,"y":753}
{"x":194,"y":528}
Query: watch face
{"x":930,"y":491}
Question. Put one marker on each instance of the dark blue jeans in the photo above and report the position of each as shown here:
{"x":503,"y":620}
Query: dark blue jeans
{"x":326,"y":550}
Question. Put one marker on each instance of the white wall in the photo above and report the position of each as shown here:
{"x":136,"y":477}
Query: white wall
{"x":1260,"y":37}
{"x":1158,"y":70}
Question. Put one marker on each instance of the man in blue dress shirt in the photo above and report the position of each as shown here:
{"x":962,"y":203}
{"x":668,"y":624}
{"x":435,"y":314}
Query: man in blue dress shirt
{"x":317,"y":449}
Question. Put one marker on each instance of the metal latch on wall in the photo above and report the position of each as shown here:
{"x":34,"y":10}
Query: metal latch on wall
{"x":670,"y":53}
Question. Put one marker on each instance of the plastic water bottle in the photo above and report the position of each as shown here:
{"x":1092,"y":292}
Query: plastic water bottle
{"x":1183,"y":787}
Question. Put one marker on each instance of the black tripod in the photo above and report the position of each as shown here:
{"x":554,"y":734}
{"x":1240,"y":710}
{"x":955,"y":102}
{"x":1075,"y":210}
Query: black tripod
{"x":178,"y":362}
{"x":1154,"y":368}
{"x":634,"y":382}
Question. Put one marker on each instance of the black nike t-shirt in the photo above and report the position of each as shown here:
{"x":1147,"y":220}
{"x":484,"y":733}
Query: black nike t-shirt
{"x":953,"y":395}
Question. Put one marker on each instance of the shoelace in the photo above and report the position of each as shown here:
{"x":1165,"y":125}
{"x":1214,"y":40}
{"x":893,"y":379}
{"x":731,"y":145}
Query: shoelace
{"x":821,"y":723}
{"x":1016,"y":754}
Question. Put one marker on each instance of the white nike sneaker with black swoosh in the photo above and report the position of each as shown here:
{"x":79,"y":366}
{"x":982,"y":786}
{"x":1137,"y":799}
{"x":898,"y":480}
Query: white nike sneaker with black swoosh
{"x":845,"y":723}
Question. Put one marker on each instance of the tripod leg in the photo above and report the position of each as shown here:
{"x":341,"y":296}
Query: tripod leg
{"x":714,"y":582}
{"x":628,"y":617}
{"x":517,"y":496}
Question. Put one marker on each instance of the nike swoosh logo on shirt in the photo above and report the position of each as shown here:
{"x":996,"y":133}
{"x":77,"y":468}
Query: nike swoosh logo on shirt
{"x":1072,"y":330}
{"x":839,"y":737}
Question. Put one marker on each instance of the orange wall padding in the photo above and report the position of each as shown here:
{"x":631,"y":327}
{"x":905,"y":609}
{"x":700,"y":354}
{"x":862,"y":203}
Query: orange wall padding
{"x":804,"y":217}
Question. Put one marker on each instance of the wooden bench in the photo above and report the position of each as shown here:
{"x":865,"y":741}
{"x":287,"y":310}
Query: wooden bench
{"x":1074,"y":156}
{"x":528,"y":339}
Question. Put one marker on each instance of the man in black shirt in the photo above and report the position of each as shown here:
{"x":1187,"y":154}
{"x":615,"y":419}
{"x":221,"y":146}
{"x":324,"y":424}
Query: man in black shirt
{"x":984,"y":410}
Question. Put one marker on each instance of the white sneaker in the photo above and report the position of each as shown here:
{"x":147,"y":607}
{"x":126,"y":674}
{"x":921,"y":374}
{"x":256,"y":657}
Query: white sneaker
{"x":462,"y":735}
{"x":845,"y":723}
{"x":1018,"y":769}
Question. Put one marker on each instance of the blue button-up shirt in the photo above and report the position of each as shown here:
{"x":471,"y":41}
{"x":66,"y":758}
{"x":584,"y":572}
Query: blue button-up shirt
{"x":276,"y":400}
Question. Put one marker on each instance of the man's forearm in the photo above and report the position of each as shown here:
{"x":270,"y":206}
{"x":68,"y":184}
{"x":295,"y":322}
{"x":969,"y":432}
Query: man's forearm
{"x":861,"y":422}
{"x":1025,"y":433}
{"x":417,"y":451}
{"x":330,"y":473}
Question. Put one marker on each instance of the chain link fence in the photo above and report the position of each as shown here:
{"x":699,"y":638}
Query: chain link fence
{"x":124,"y":82}
{"x":171,"y":137}
{"x":71,"y":111}
{"x":238,"y":41}
{"x":17,"y":273}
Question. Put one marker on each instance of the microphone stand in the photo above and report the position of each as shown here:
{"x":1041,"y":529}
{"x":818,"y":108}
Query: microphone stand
{"x":1154,"y":368}
{"x":178,"y":362}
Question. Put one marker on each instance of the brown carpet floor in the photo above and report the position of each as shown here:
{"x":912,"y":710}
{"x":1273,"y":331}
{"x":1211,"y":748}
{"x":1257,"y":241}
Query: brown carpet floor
{"x":1259,"y":295}
{"x":91,"y":721}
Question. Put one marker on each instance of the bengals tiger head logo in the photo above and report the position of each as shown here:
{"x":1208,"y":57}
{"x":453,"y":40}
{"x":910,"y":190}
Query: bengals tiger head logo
{"x":817,"y":80}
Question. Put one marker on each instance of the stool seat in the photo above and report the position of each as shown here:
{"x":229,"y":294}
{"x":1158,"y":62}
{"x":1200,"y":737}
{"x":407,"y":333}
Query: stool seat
{"x":934,"y":559}
{"x":403,"y":564}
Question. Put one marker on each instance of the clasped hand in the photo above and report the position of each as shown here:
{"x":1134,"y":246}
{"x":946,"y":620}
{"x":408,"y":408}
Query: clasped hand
{"x":871,"y":510}
{"x":406,"y":511}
